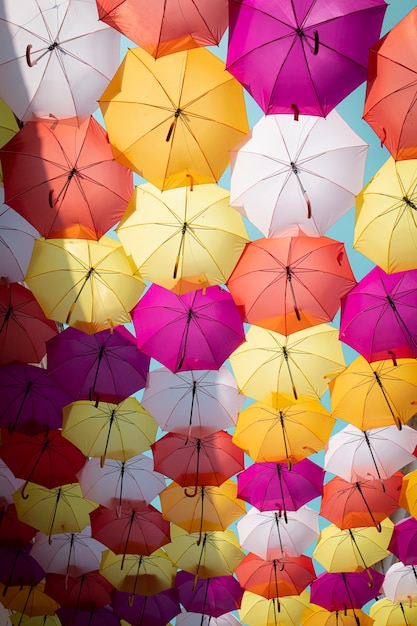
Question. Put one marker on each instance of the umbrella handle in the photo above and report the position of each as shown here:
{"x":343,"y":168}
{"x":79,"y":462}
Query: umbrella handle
{"x":316,"y":42}
{"x":193,"y":493}
{"x":296,"y":112}
{"x":28,"y":59}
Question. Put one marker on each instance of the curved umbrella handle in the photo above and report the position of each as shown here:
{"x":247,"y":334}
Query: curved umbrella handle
{"x":51,"y":202}
{"x":28,"y":59}
{"x":316,"y":42}
{"x":193,"y":493}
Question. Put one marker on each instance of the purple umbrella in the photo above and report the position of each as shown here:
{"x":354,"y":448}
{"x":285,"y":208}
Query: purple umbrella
{"x":301,"y":56}
{"x":30,"y":401}
{"x":194,"y":331}
{"x":209,"y":596}
{"x":272,"y":486}
{"x":378,"y":316}
{"x":404,"y":541}
{"x":157,"y":610}
{"x":106,"y":366}
{"x":18,"y":567}
{"x":100,"y":617}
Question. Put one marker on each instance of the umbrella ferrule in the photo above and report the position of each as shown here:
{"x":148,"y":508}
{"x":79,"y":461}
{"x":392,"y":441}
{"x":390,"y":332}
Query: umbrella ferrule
{"x":294,"y":167}
{"x":410,"y":203}
{"x":53,"y":46}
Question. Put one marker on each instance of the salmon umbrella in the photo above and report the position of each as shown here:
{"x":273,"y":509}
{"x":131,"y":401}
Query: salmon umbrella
{"x":141,"y":610}
{"x":174,"y":120}
{"x":69,"y":173}
{"x":287,"y":611}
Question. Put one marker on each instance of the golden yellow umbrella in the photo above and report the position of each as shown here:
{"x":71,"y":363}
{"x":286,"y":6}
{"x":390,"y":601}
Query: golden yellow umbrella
{"x":387,"y":613}
{"x":322,"y":617}
{"x":217,"y":554}
{"x":287,"y":611}
{"x":29,"y":600}
{"x":298,"y":365}
{"x":173,"y":120}
{"x":283,"y":435}
{"x":386,"y":217}
{"x":408,"y":495}
{"x":118,"y":431}
{"x":370,"y":395}
{"x":8,"y":127}
{"x":180,"y":239}
{"x":78,"y":280}
{"x":38,"y":620}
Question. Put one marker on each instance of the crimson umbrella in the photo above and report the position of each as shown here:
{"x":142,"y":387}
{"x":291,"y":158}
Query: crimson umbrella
{"x":87,"y":592}
{"x":13,"y":532}
{"x":403,"y":542}
{"x":157,"y":610}
{"x":346,"y":590}
{"x":102,"y":616}
{"x":209,"y":596}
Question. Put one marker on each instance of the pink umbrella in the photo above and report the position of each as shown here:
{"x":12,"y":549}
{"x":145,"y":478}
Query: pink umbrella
{"x":209,"y":596}
{"x":196,"y":330}
{"x":342,"y":591}
{"x":404,"y":541}
{"x":157,"y":610}
{"x":19,"y":567}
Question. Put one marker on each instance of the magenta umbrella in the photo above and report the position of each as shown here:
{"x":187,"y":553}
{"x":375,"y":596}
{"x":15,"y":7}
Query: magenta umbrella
{"x":194,"y":331}
{"x":404,"y":541}
{"x":209,"y":596}
{"x":157,"y":610}
{"x":378,"y":317}
{"x":18,"y":567}
{"x":106,"y":366}
{"x":301,"y":56}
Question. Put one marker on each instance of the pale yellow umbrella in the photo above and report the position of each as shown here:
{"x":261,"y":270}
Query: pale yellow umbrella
{"x":387,"y":613}
{"x":322,"y":617}
{"x":8,"y":127}
{"x":37,"y":620}
{"x":287,"y":611}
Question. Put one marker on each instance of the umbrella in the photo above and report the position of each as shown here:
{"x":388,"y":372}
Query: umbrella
{"x":69,"y":173}
{"x":286,"y":284}
{"x":120,"y":431}
{"x":24,"y":328}
{"x":403,"y":543}
{"x":283,"y":435}
{"x":177,"y":132}
{"x":387,"y":613}
{"x":164,"y":27}
{"x":196,"y":402}
{"x":385,"y":224}
{"x":8,"y":485}
{"x":209,"y":596}
{"x":375,"y":395}
{"x":156,"y":610}
{"x":400,"y":583}
{"x":198,"y":619}
{"x":105,"y":366}
{"x":297,"y":60}
{"x":391,"y":89}
{"x":345,"y":590}
{"x":29,"y":600}
{"x":36,"y":620}
{"x":63,"y":45}
{"x":19,"y":567}
{"x":378,"y":453}
{"x":287,"y":611}
{"x":408,"y":499}
{"x":269,"y":363}
{"x":86,"y":592}
{"x":323,"y":617}
{"x":304,"y":175}
{"x":14,"y":532}
{"x":8,"y":127}
{"x":82,"y":280}
{"x":198,"y":330}
{"x":182,"y":239}
{"x":102,"y":616}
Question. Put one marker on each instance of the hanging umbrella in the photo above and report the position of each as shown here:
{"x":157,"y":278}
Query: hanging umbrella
{"x":24,"y":328}
{"x":288,"y":611}
{"x":69,"y":174}
{"x":195,"y":403}
{"x":209,"y":596}
{"x":304,"y":175}
{"x":63,"y":45}
{"x":82,"y":280}
{"x":269,"y":363}
{"x":29,"y":600}
{"x":156,"y":610}
{"x":14,"y":532}
{"x":181,"y":239}
{"x":375,"y":395}
{"x":391,"y":89}
{"x":105,"y":366}
{"x":345,"y":590}
{"x":403,"y":543}
{"x":8,"y":127}
{"x":323,"y":617}
{"x":120,"y":431}
{"x":296,"y":60}
{"x":36,"y":620}
{"x":385,"y":224}
{"x":408,"y":500}
{"x":400,"y":583}
{"x":387,"y":613}
{"x":177,"y":132}
{"x":198,"y":619}
{"x":19,"y":567}
{"x":8,"y":485}
{"x":378,"y":453}
{"x":377,"y":317}
{"x":286,"y":284}
{"x":86,"y":592}
{"x":197,"y":330}
{"x":102,"y":616}
{"x":283,"y":435}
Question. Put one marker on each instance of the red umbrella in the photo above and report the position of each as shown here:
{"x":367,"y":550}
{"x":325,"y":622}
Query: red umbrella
{"x":87,"y":592}
{"x":13,"y":532}
{"x":69,"y":174}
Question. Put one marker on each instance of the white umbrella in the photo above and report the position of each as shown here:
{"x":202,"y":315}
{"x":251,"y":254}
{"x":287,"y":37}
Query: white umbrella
{"x":197,"y":619}
{"x":8,"y":484}
{"x":288,"y":175}
{"x":400,"y":583}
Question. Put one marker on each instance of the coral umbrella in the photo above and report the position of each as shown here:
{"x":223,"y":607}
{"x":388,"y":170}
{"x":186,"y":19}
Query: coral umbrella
{"x":209,"y":596}
{"x":14,"y":532}
{"x":70,"y":174}
{"x":345,"y":590}
{"x":296,"y":59}
{"x":288,"y":611}
{"x":19,"y":567}
{"x":86,"y":592}
{"x":173,"y":120}
{"x":165,"y":27}
{"x":156,"y":610}
{"x":24,"y":329}
{"x":403,"y":542}
{"x":387,"y":613}
{"x":400,"y":583}
{"x":198,"y":330}
{"x":286,"y":284}
{"x":323,"y":617}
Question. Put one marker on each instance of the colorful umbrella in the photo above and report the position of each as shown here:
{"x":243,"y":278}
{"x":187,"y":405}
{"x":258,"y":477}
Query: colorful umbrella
{"x":37,"y":620}
{"x":304,"y":175}
{"x":14,"y":532}
{"x":408,"y":499}
{"x":403,"y":543}
{"x":8,"y":127}
{"x":400,"y":583}
{"x":197,"y":330}
{"x":8,"y":484}
{"x":29,"y":600}
{"x":345,"y":590}
{"x":141,"y":610}
{"x":19,"y":567}
{"x":198,"y":619}
{"x":323,"y":617}
{"x":86,"y":592}
{"x":209,"y":596}
{"x":387,"y":613}
{"x":102,"y":616}
{"x":288,"y":611}
{"x":296,"y":60}
{"x":177,"y":132}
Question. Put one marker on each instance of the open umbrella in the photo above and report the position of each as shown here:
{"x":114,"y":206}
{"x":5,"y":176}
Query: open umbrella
{"x":388,"y":613}
{"x":287,"y":611}
{"x":14,"y":532}
{"x":8,"y":127}
{"x":8,"y":485}
{"x":19,"y":567}
{"x":303,"y":175}
{"x":197,"y":619}
{"x":408,"y":499}
{"x":209,"y":596}
{"x":29,"y":600}
{"x":174,"y":120}
{"x":296,"y":59}
{"x":86,"y":592}
{"x":400,"y":583}
{"x":403,"y":543}
{"x":36,"y":620}
{"x":141,"y":610}
{"x":102,"y":616}
{"x":322,"y":617}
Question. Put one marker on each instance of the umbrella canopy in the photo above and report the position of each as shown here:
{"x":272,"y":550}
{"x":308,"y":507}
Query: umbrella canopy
{"x":385,"y":225}
{"x":296,"y":60}
{"x":182,"y":239}
{"x":8,"y":484}
{"x":304,"y":175}
{"x":323,"y":617}
{"x":390,"y":100}
{"x":141,"y":610}
{"x":29,"y":600}
{"x":198,"y":619}
{"x":78,"y":280}
{"x":287,"y":611}
{"x":86,"y":592}
{"x":19,"y":567}
{"x":198,"y":330}
{"x":164,"y":27}
{"x":103,"y":616}
{"x":14,"y":532}
{"x":36,"y":620}
{"x":178,"y":132}
{"x":209,"y":596}
{"x":387,"y":613}
{"x":46,"y":44}
{"x":345,"y":590}
{"x":8,"y":127}
{"x":408,"y":499}
{"x":69,"y":173}
{"x":403,"y":543}
{"x":377,"y":316}
{"x":400,"y":583}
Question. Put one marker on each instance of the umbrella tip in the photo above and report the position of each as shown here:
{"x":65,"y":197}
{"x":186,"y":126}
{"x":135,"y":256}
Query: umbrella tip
{"x":296,"y":112}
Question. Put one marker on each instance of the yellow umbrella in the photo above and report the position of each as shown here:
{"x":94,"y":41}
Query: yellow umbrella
{"x":287,"y":611}
{"x":387,"y":613}
{"x":182,"y":239}
{"x":38,"y":620}
{"x":78,"y":280}
{"x":296,"y":365}
{"x":408,"y":495}
{"x":173,"y":120}
{"x":118,"y":431}
{"x":137,"y":574}
{"x":217,"y":554}
{"x":322,"y":617}
{"x":386,"y":217}
{"x":8,"y":127}
{"x":28,"y":600}
{"x":370,"y":395}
